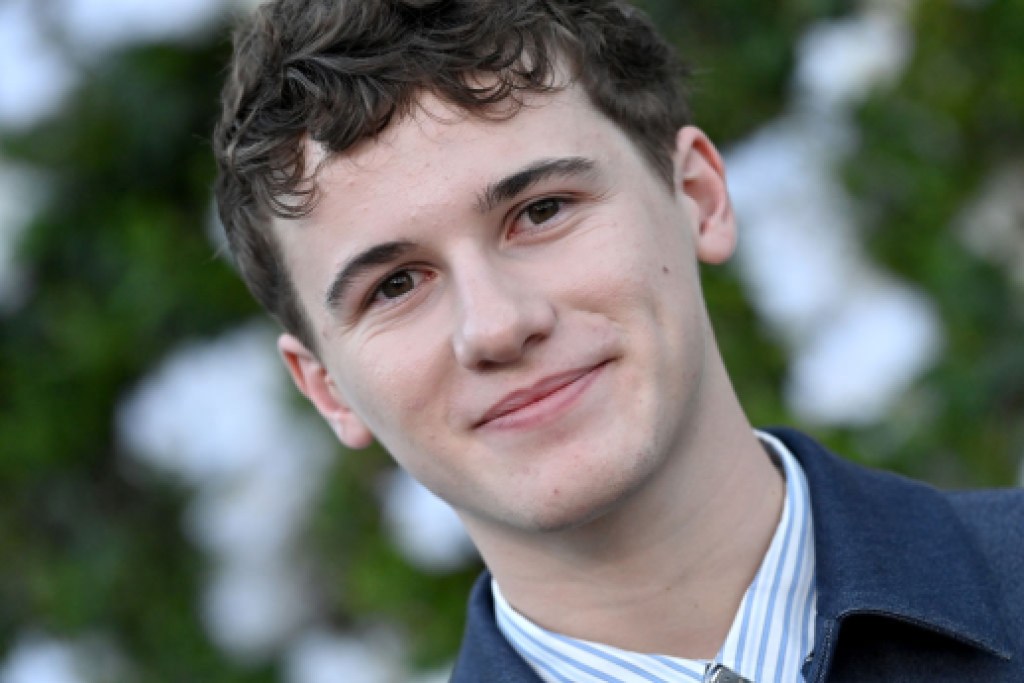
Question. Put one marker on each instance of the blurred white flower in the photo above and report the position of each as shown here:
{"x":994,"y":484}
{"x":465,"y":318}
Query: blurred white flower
{"x":840,"y":62}
{"x":22,"y":191}
{"x":424,"y":528}
{"x":38,"y":74}
{"x":36,"y":77}
{"x":992,"y":224}
{"x":857,"y":338}
{"x":251,"y":610}
{"x":37,"y":659}
{"x":256,"y":516}
{"x":97,"y":25}
{"x":797,"y":248}
{"x":854,"y":368}
{"x":213,"y":411}
{"x":216,"y":415}
{"x":320,"y":656}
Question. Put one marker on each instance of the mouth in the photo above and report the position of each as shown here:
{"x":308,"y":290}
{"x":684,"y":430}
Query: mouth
{"x":541,"y":401}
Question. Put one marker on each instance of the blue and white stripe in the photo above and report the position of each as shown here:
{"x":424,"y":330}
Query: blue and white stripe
{"x":770,"y":637}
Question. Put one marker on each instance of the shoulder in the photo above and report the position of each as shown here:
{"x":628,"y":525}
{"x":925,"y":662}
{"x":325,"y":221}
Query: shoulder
{"x":863,"y":513}
{"x":993,"y":509}
{"x":919,"y":578}
{"x":995,"y":519}
{"x":987,"y":502}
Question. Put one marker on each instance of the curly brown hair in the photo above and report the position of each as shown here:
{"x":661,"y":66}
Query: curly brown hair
{"x":340,"y":71}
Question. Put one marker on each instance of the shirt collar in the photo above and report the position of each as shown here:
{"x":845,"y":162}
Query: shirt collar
{"x":893,"y":547}
{"x":771,"y":634}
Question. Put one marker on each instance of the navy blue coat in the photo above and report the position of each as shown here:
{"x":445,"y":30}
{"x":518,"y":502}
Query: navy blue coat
{"x":914,"y":584}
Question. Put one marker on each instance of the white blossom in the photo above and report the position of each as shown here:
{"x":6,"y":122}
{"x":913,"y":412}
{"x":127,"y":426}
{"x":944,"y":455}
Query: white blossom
{"x":880,"y":340}
{"x":798,"y":246}
{"x":213,"y":411}
{"x":321,"y":656}
{"x":39,"y":658}
{"x":992,"y":224}
{"x":99,"y":25}
{"x":22,"y":191}
{"x":36,"y":76}
{"x":251,"y":610}
{"x":216,"y":416}
{"x":424,"y":528}
{"x":840,"y":62}
{"x":857,"y":337}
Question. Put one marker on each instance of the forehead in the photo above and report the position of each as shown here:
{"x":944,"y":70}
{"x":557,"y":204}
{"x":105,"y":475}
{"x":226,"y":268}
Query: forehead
{"x":454,"y":152}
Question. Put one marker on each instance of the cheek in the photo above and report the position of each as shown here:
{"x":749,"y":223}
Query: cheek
{"x":396,"y":378}
{"x":640,"y":276}
{"x":612,"y":266}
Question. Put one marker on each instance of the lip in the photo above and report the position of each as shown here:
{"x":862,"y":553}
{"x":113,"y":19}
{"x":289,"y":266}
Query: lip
{"x":540,"y":401}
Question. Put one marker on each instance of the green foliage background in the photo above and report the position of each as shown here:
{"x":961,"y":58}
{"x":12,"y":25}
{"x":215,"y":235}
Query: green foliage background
{"x":123,"y":272}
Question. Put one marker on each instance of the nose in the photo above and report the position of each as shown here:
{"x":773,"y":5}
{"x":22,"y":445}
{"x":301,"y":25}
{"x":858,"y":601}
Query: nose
{"x":501,"y":315}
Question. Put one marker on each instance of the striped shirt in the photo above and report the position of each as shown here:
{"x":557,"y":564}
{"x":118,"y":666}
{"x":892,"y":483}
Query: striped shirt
{"x":770,"y":637}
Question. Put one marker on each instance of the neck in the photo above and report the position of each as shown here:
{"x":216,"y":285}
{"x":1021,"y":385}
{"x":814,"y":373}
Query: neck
{"x":665,"y":570}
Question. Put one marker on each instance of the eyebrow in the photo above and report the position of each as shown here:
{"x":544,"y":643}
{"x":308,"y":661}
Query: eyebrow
{"x":512,"y":185}
{"x":377,"y":255}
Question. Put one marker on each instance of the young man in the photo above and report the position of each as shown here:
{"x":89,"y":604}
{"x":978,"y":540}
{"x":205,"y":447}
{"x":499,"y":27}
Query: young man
{"x":480,"y":224}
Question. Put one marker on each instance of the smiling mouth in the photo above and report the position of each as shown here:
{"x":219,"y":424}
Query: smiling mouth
{"x":542,"y":401}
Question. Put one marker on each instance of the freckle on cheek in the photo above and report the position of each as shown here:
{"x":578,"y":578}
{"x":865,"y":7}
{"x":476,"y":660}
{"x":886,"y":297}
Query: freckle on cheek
{"x":664,"y":269}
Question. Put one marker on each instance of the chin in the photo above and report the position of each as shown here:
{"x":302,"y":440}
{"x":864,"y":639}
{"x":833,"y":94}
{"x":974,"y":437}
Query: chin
{"x":569,"y":520}
{"x":563,"y":517}
{"x":573,"y":507}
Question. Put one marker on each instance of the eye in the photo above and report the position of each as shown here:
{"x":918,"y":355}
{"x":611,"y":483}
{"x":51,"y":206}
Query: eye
{"x":542,"y":211}
{"x":398,"y":284}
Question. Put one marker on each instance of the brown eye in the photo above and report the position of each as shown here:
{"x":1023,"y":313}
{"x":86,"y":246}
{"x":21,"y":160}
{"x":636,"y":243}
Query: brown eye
{"x":397,"y":284}
{"x":543,"y":211}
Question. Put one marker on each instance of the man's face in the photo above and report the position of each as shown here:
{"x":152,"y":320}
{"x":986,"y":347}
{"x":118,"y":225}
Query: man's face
{"x":511,"y":307}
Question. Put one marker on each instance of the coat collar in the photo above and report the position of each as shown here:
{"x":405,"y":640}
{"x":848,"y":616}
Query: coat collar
{"x":485,"y":654}
{"x":892,"y":547}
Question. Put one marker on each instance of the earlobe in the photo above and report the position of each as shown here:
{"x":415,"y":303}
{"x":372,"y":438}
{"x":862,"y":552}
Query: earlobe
{"x":700,"y":178}
{"x":315,"y":382}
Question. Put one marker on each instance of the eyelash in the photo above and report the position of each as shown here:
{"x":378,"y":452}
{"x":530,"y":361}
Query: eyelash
{"x":376,"y":297}
{"x":560,"y":205}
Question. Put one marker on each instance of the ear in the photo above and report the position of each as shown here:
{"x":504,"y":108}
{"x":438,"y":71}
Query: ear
{"x":313,"y":380}
{"x":700,"y":177}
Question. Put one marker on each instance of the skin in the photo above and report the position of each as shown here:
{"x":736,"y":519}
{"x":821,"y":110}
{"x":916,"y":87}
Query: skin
{"x":535,"y":254}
